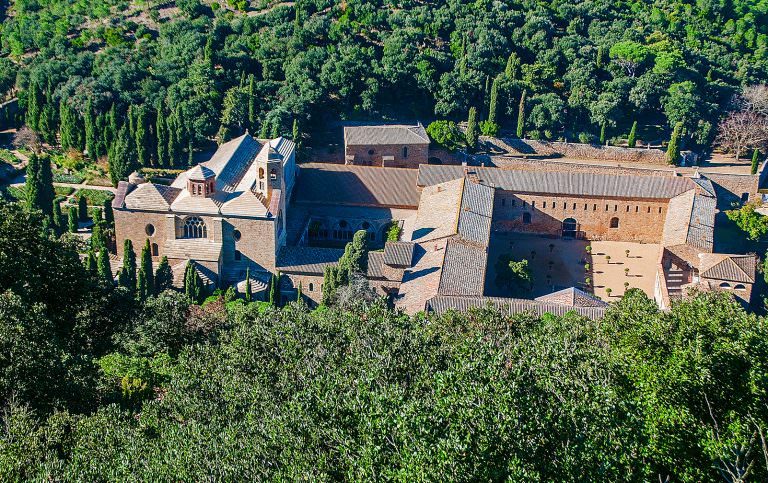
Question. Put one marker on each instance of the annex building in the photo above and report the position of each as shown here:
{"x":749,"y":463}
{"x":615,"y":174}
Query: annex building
{"x":252,"y":207}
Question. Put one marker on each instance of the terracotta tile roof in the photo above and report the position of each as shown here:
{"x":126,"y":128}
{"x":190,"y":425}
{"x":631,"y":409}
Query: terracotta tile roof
{"x":247,"y":204}
{"x":422,"y":281}
{"x":201,"y":249}
{"x":200,"y":173}
{"x":310,"y":260}
{"x":155,"y":197}
{"x":690,"y":221}
{"x":463,"y":271}
{"x":442,"y":304}
{"x":476,"y":213}
{"x":572,"y":297}
{"x":439,"y":208}
{"x":399,"y":254}
{"x":562,"y":182}
{"x":357,"y":186}
{"x":385,"y":135}
{"x":123,"y":188}
{"x":733,"y":268}
{"x":375,"y":265}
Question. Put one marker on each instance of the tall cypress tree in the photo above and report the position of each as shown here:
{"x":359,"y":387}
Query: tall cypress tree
{"x":603,"y":128}
{"x":163,"y":276}
{"x":34,"y":106}
{"x":56,"y":218}
{"x":127,"y":276}
{"x":673,"y":149}
{"x":104,"y":268}
{"x":471,"y":135}
{"x":82,"y":208}
{"x":299,"y":295}
{"x":632,"y":138}
{"x":513,"y":65}
{"x":252,"y":113}
{"x":146,"y":265}
{"x":141,"y":136}
{"x":248,"y":290}
{"x":72,"y":219}
{"x":141,"y":285}
{"x":162,"y":138}
{"x":34,"y":186}
{"x":97,"y":232}
{"x":521,"y":115}
{"x":90,"y":263}
{"x":329,"y":285}
{"x":755,"y":161}
{"x":493,"y":105}
{"x":121,"y":160}
{"x":109,"y":216}
{"x":91,"y":138}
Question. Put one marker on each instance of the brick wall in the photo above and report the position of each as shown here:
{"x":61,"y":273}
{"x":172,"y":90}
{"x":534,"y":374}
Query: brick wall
{"x":133,"y":225}
{"x":417,"y":154}
{"x":639,"y":221}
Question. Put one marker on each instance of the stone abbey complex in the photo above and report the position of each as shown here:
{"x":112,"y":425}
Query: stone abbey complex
{"x":587,"y":231}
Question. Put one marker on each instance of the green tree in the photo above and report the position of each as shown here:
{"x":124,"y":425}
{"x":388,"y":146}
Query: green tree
{"x":445,"y":134}
{"x":57,"y":218}
{"x":141,"y":137}
{"x":91,"y":137}
{"x":90,"y":263}
{"x":109,"y":216}
{"x":493,"y":105}
{"x":248,"y":290}
{"x":146,"y":266}
{"x":121,"y":158}
{"x":755,"y":161}
{"x":72,"y":223}
{"x":35,"y":103}
{"x":161,"y":131}
{"x":82,"y":208}
{"x":673,"y":149}
{"x":632,"y":138}
{"x":521,"y":116}
{"x":513,"y":275}
{"x":329,"y":285}
{"x":39,"y":184}
{"x":513,"y":66}
{"x":127,"y":276}
{"x":193,"y":284}
{"x":163,"y":276}
{"x":754,"y":224}
{"x":472,"y":134}
{"x":141,"y":285}
{"x":104,"y":268}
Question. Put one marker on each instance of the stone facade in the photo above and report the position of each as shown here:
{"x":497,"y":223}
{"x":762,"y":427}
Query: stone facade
{"x":388,"y":156}
{"x":595,"y":218}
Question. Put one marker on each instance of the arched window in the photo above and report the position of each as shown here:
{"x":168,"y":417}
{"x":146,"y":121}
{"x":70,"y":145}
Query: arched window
{"x":311,"y":287}
{"x":740,"y":287}
{"x":261,"y":173}
{"x":342,"y":231}
{"x":149,"y":229}
{"x":194,"y":227}
{"x":614,"y":222}
{"x":526,"y":218}
{"x":370,"y":152}
{"x":569,"y":228}
{"x":155,"y":250}
{"x":236,"y":235}
{"x":725,"y":285}
{"x":405,"y":151}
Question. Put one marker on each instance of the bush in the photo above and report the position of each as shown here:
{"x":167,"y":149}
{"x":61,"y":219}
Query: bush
{"x":95,"y":197}
{"x":586,"y":138}
{"x":488,"y":128}
{"x":68,"y":178}
{"x":394,"y":231}
{"x":446,"y":134}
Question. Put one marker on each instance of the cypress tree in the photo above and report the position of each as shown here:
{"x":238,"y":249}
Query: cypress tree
{"x":755,"y":160}
{"x":632,"y":138}
{"x":146,"y":266}
{"x":163,"y":276}
{"x":193,"y":284}
{"x":299,"y":295}
{"x":121,"y":160}
{"x":47,"y":124}
{"x":82,"y":207}
{"x":602,"y":132}
{"x":141,"y":285}
{"x":329,"y":285}
{"x":252,"y":103}
{"x":673,"y":149}
{"x":90,"y":263}
{"x":141,"y":136}
{"x":97,"y":232}
{"x":34,"y":188}
{"x":56,"y":218}
{"x":111,"y":130}
{"x":162,"y":138}
{"x":67,"y":129}
{"x":521,"y":115}
{"x":127,"y":276}
{"x":34,"y":106}
{"x":104,"y":268}
{"x":493,"y":105}
{"x":471,"y":135}
{"x":248,"y":291}
{"x":72,"y":219}
{"x":513,"y":65}
{"x":91,"y":139}
{"x":600,"y":59}
{"x":190,"y":152}
{"x":109,"y":216}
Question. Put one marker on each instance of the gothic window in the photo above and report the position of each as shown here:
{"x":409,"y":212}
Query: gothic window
{"x":155,"y":250}
{"x":614,"y":222}
{"x":194,"y":227}
{"x":405,"y":151}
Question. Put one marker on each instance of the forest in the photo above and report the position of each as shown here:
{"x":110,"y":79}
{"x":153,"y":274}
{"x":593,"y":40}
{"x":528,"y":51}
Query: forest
{"x":98,"y":383}
{"x":151,"y":83}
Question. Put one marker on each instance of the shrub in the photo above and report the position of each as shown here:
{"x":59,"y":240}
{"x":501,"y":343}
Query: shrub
{"x":586,"y":138}
{"x":446,"y":134}
{"x":488,"y":128}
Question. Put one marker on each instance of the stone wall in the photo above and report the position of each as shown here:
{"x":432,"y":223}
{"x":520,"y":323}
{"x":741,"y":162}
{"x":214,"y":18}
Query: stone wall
{"x":530,"y":147}
{"x":134,"y":225}
{"x":638,"y":220}
{"x":373,"y":155}
{"x":311,"y":286}
{"x":554,"y":165}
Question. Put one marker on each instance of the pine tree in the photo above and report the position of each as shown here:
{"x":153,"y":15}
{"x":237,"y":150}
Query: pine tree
{"x":163,"y":276}
{"x":755,"y":160}
{"x":146,"y":266}
{"x":471,"y":135}
{"x":109,"y":216}
{"x":162,"y":139}
{"x":82,"y":208}
{"x":127,"y":276}
{"x":600,"y":59}
{"x":632,"y":138}
{"x":521,"y":116}
{"x":105,"y":271}
{"x":141,"y":136}
{"x":72,"y":219}
{"x":493,"y":105}
{"x":248,"y":291}
{"x":121,"y":160}
{"x":673,"y":149}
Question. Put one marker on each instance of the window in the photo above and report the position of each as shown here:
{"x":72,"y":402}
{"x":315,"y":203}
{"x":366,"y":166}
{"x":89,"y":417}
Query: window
{"x":615,"y":207}
{"x":261,"y":173}
{"x":544,"y":205}
{"x":514,"y":202}
{"x":405,"y":151}
{"x":649,"y":209}
{"x":594,"y":207}
{"x":659,"y":209}
{"x":370,"y":152}
{"x":606,"y":207}
{"x":273,"y":174}
{"x":533,"y":204}
{"x":261,"y":185}
{"x":311,"y":287}
{"x":149,"y":229}
{"x":739,"y":287}
{"x":526,"y":218}
{"x":237,"y":235}
{"x":565,"y":205}
{"x":574,"y":206}
{"x":614,"y":222}
{"x":155,"y":250}
{"x":503,"y":202}
{"x":637,"y":209}
{"x":725,"y":285}
{"x":627,"y":208}
{"x":585,"y":207}
{"x":744,"y":197}
{"x":238,"y":255}
{"x":194,"y":227}
{"x":569,"y":228}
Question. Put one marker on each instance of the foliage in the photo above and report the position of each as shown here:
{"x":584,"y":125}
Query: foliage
{"x":446,"y":134}
{"x":754,"y":224}
{"x":472,"y":132}
{"x":673,"y":148}
{"x":513,"y":275}
{"x":755,"y":161}
{"x":394,"y":231}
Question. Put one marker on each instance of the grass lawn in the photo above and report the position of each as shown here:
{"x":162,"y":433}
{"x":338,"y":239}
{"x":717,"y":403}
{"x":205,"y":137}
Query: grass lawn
{"x":95,"y":197}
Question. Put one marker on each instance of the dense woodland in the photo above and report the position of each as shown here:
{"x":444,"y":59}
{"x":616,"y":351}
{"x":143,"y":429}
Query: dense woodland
{"x":100,"y":384}
{"x":150,"y":83}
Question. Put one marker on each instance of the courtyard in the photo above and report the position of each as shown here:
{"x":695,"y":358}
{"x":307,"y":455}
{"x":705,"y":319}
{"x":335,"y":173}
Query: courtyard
{"x":557,"y":263}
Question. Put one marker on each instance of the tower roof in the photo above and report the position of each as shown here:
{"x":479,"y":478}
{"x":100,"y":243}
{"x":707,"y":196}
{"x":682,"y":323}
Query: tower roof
{"x":200,"y":173}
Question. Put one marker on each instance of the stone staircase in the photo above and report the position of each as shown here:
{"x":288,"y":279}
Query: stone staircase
{"x":675,"y":278}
